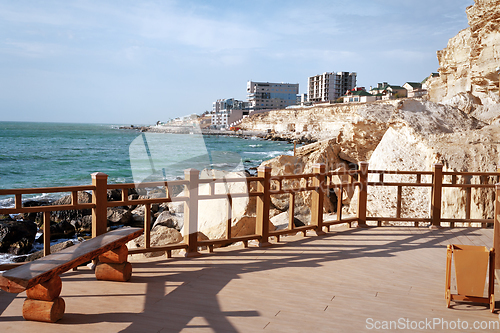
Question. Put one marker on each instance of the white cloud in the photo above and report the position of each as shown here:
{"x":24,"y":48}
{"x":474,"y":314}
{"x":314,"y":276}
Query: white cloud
{"x":32,"y":49}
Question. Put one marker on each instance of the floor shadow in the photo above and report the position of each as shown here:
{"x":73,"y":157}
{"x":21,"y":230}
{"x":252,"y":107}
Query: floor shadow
{"x":196,"y":293}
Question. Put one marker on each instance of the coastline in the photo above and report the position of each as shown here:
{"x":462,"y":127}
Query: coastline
{"x":244,"y":134}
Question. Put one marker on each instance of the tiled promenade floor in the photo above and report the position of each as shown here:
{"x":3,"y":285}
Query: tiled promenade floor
{"x":344,"y":281}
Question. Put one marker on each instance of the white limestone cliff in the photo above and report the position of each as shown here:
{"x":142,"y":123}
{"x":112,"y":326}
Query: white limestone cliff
{"x":469,"y":64}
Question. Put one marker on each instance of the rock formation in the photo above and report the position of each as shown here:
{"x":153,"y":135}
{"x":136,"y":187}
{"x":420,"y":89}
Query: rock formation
{"x":160,"y":236}
{"x":469,"y":64}
{"x":16,"y":237}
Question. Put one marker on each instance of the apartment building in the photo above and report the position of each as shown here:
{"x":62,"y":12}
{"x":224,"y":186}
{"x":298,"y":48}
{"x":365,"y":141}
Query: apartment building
{"x":227,"y":111}
{"x":330,"y":86}
{"x":267,"y":95}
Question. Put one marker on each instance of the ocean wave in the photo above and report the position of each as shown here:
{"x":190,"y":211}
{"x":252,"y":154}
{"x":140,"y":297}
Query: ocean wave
{"x":7,"y":203}
{"x":6,"y":258}
{"x":269,"y":154}
{"x":46,"y":197}
{"x":256,"y":145}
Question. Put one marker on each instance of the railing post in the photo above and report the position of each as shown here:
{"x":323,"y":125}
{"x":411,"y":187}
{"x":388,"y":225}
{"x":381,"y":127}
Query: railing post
{"x":496,"y":227}
{"x":317,"y":198}
{"x":99,"y":199}
{"x":263,"y":204}
{"x":437,"y":186}
{"x":362,"y":194}
{"x":191,"y":212}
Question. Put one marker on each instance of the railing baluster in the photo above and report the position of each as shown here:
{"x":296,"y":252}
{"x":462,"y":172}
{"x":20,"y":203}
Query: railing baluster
{"x":496,"y":226}
{"x":100,"y":200}
{"x":291,"y":211}
{"x":125,"y":195}
{"x":317,"y":198}
{"x":18,"y":201}
{"x":399,"y":200}
{"x":229,"y":216}
{"x":74,"y":197}
{"x":263,"y":204}
{"x":362,"y":194}
{"x":340,"y":197}
{"x":191,"y":212}
{"x":437,"y":185}
{"x":468,"y":201}
{"x":46,"y":233}
{"x":147,"y":225}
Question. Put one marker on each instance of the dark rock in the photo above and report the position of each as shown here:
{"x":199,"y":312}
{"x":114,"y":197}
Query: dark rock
{"x":63,"y":229}
{"x":119,"y":216}
{"x":36,"y":217}
{"x":54,"y":248}
{"x":297,"y":222}
{"x":5,"y":217}
{"x":133,"y":196}
{"x":174,"y":190}
{"x":83,"y":225}
{"x":17,"y":237}
{"x":68,"y":215}
{"x":114,"y":195}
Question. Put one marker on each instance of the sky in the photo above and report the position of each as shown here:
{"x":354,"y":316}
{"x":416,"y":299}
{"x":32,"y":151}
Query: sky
{"x":137,"y":62}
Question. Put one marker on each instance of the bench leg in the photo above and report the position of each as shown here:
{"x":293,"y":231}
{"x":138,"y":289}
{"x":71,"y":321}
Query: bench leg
{"x":47,"y":311}
{"x":113,"y":272}
{"x":113,"y":265}
{"x":43,"y":302}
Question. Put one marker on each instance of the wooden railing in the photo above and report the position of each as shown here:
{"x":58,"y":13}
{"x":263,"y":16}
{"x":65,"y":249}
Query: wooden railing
{"x":263,"y":186}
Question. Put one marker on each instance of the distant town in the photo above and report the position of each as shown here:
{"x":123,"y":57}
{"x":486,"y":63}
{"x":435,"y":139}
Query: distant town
{"x":326,"y":88}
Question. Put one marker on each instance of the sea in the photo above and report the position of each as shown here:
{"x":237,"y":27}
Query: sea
{"x":63,"y":154}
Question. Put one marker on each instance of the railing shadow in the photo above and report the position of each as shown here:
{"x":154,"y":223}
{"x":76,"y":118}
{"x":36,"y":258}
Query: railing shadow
{"x":196,"y":295}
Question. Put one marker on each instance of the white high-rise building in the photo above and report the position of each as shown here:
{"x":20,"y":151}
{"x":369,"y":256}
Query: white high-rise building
{"x":330,"y":86}
{"x":266,"y":95}
{"x":227,"y":111}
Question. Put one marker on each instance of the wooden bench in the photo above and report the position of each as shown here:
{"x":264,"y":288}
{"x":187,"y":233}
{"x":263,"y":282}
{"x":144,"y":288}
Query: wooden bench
{"x":40,"y":278}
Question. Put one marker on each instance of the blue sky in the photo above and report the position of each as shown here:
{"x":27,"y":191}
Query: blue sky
{"x":141,"y":61}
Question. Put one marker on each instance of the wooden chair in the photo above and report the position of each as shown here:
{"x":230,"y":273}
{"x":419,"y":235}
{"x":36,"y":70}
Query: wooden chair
{"x":471,"y":265}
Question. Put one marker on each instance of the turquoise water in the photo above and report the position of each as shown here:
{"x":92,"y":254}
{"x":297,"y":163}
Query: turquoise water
{"x":56,"y":154}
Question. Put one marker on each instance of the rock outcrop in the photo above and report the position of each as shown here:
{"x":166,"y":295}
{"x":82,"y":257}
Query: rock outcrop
{"x":469,"y":64}
{"x":160,"y":236}
{"x":17,"y":237}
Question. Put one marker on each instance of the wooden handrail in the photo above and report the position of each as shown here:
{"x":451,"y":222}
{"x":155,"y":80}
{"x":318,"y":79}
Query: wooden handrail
{"x":318,"y":182}
{"x":37,"y":190}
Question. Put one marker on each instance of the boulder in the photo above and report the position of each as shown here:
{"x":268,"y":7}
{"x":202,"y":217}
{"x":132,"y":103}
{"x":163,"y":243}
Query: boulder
{"x":160,"y":236}
{"x":68,"y":215}
{"x":170,"y":220}
{"x":245,"y":225}
{"x":119,"y":216}
{"x":36,"y":217}
{"x":17,"y":237}
{"x":134,"y":196}
{"x":53,"y":249}
{"x":114,"y":195}
{"x":327,"y":152}
{"x":438,"y":138}
{"x":83,"y":225}
{"x":281,"y":221}
{"x":212,"y":213}
{"x":63,"y":229}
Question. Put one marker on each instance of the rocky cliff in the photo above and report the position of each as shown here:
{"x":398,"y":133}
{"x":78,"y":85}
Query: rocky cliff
{"x":469,"y":77}
{"x":407,"y":134}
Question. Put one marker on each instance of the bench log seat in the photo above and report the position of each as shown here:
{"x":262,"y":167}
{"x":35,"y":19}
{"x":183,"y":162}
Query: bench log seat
{"x":40,"y":278}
